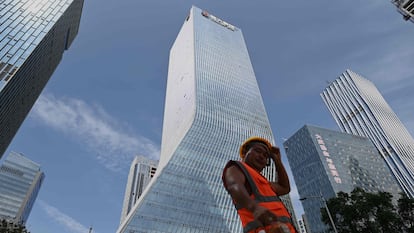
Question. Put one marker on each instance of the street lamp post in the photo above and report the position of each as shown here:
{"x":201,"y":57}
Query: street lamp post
{"x":326,"y":207}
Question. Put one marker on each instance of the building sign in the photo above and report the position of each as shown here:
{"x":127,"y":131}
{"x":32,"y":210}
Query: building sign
{"x":328,"y":159}
{"x":218,"y":20}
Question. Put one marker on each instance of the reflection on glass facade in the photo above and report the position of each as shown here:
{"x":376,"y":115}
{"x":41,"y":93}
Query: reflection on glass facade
{"x":359,"y":108}
{"x":325,"y":162}
{"x":141,"y":171}
{"x":213,"y":103}
{"x":33,"y":37}
{"x":20,"y":181}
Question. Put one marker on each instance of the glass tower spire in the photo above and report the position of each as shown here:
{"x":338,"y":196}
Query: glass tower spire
{"x":212,"y":104}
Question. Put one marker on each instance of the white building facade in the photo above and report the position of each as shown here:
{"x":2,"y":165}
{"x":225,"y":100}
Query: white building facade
{"x":359,"y":108}
{"x":140,"y":173}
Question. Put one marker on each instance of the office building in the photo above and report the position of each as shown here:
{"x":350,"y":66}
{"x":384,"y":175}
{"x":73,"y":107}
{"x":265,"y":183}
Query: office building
{"x":33,"y":36}
{"x":325,"y":162}
{"x":20,"y":182}
{"x":141,"y":171}
{"x":212,"y":104}
{"x":406,"y":8}
{"x":359,"y":108}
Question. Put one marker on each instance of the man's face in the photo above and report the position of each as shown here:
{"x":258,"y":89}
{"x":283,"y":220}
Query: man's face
{"x":257,"y":156}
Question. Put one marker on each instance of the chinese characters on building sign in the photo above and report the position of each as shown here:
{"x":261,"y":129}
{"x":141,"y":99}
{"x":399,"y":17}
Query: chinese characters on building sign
{"x":328,"y":159}
{"x":219,"y":21}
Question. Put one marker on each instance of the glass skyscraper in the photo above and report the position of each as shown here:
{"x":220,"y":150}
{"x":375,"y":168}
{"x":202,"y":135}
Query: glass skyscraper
{"x":359,"y":108}
{"x":325,"y":162}
{"x":140,"y":173}
{"x":212,"y":104}
{"x":33,"y":36}
{"x":20,"y":181}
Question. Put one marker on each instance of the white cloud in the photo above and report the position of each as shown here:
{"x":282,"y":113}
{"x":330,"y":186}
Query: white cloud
{"x":69,"y":223}
{"x":91,"y":125}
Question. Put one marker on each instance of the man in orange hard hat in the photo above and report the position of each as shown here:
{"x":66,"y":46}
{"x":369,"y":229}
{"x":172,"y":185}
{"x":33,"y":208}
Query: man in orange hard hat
{"x":255,"y":198}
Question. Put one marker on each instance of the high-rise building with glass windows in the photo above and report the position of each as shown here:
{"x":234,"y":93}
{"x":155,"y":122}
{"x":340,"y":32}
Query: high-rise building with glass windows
{"x":33,"y":36}
{"x":406,"y":8}
{"x":20,"y":182}
{"x":325,"y":162}
{"x":359,"y":108}
{"x":212,"y":104}
{"x":140,"y":173}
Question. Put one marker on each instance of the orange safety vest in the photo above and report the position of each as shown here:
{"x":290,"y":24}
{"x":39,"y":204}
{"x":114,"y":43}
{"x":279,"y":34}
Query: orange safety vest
{"x":264,"y":195}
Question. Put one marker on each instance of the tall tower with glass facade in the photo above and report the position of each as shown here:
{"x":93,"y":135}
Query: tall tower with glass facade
{"x":140,"y":173}
{"x":33,"y":36}
{"x":325,"y":162}
{"x":359,"y":108}
{"x":212,"y":104}
{"x":20,"y":182}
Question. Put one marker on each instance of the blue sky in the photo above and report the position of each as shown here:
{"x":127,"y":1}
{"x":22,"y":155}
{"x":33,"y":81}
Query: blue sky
{"x":104,"y":104}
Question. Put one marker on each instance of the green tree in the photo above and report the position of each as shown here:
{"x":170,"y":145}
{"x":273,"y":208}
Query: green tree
{"x":365,"y":212}
{"x":406,"y":212}
{"x":10,"y":227}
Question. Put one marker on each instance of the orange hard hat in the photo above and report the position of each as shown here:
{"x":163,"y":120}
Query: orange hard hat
{"x":245,"y":146}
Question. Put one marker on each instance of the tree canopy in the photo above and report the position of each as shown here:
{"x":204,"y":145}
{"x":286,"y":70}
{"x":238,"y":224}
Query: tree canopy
{"x":10,"y":227}
{"x":365,"y":212}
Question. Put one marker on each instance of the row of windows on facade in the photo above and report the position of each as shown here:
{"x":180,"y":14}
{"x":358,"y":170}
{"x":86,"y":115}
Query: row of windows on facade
{"x":21,"y":32}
